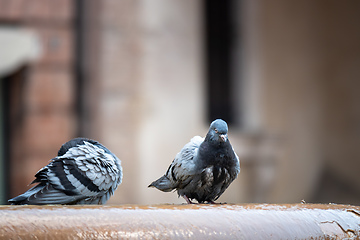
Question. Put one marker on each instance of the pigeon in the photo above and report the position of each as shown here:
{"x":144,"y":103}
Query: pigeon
{"x":83,"y":172}
{"x":204,"y":168}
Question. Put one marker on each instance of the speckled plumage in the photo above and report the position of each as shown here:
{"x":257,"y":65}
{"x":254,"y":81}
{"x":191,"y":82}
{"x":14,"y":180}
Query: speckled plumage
{"x":204,"y":168}
{"x":84,"y":172}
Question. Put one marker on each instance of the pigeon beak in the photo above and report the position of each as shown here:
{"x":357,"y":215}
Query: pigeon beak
{"x":223,"y":137}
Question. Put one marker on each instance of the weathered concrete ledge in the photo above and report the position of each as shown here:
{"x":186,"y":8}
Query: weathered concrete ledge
{"x":248,"y":221}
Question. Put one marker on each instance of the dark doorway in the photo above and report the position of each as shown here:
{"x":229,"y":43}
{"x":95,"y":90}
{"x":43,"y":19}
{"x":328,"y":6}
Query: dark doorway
{"x":11,"y":118}
{"x":219,"y":37}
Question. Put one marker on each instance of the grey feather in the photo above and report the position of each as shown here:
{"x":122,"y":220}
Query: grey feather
{"x":84,"y":172}
{"x":204,"y":168}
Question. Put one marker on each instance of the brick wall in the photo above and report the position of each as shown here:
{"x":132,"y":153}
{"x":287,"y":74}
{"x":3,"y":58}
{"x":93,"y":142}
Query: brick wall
{"x":47,"y":117}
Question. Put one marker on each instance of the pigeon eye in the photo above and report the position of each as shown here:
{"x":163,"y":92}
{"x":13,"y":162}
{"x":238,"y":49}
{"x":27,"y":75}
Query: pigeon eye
{"x":216,"y":130}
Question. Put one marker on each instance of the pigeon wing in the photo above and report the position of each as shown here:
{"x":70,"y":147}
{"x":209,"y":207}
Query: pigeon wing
{"x":181,"y":168}
{"x":89,"y":169}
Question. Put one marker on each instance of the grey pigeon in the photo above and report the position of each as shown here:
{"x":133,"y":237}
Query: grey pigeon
{"x":204,"y":168}
{"x":83,"y":172}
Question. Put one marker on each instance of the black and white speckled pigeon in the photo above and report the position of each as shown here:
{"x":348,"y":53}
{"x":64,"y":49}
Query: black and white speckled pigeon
{"x":204,"y":168}
{"x":84,"y":172}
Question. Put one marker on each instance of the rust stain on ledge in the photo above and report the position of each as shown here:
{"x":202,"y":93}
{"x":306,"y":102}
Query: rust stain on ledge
{"x":200,"y":221}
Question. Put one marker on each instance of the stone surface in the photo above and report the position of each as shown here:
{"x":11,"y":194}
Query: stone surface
{"x":198,"y":221}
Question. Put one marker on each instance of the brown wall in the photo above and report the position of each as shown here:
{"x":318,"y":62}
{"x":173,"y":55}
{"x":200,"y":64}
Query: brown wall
{"x":46,"y":118}
{"x":309,"y":57}
{"x":143,"y":93}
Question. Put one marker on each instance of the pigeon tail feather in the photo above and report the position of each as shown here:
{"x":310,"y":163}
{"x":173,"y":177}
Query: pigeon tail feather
{"x":163,"y":184}
{"x":24,"y":198}
{"x":44,"y":194}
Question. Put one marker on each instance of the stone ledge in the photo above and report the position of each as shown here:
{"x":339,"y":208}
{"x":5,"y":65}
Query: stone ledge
{"x":223,"y":221}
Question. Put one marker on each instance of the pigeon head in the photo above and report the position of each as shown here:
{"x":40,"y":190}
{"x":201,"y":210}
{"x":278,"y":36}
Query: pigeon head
{"x":218,"y":131}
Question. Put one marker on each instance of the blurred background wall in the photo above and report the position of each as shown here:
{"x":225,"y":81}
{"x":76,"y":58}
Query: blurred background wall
{"x":143,"y":77}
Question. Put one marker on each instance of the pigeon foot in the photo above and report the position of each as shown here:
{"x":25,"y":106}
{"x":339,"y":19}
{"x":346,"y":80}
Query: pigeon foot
{"x":187,"y":199}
